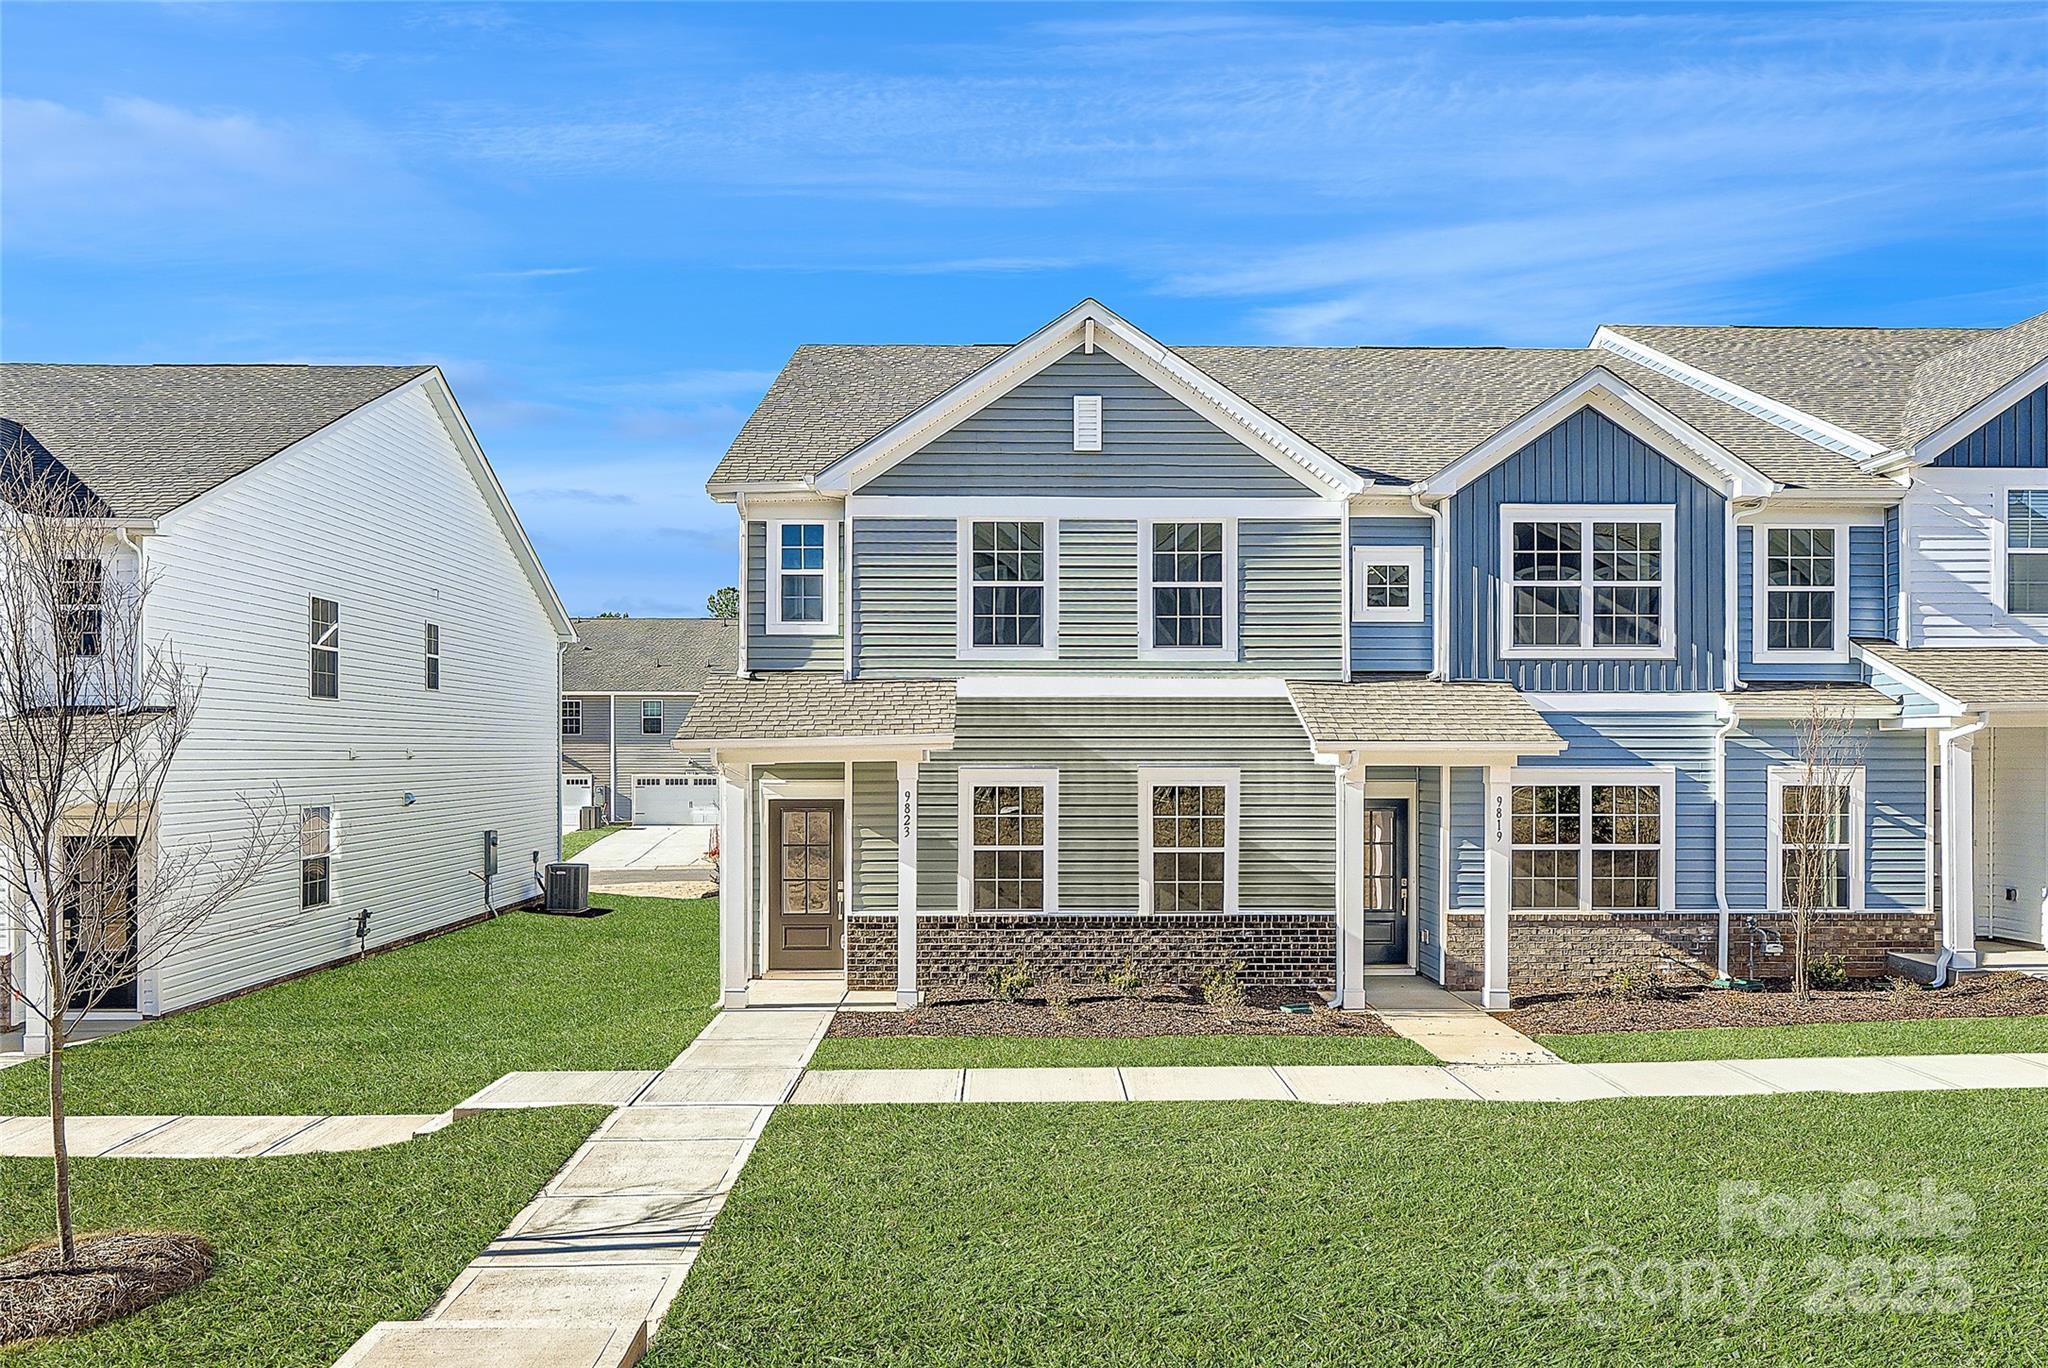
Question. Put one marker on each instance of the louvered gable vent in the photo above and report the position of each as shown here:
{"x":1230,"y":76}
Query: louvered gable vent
{"x":1087,"y":422}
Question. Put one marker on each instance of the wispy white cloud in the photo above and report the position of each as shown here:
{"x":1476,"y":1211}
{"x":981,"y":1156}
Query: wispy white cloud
{"x":537,"y":273}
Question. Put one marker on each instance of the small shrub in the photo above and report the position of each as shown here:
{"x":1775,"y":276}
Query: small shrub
{"x":1011,"y":982}
{"x":1221,"y":987}
{"x":1126,"y":979}
{"x":1827,"y":971}
{"x":1635,"y":985}
{"x":1059,"y":995}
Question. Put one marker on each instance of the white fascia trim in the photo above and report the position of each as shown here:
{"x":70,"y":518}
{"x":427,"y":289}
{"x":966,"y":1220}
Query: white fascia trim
{"x":1629,"y":408}
{"x":1272,"y":439}
{"x":1117,"y":686}
{"x":1878,"y":665}
{"x":831,"y":572}
{"x":1048,"y":593}
{"x":1151,"y":775}
{"x":629,"y":693}
{"x":729,"y":745}
{"x":1664,"y":778}
{"x":1409,"y":556}
{"x":1816,"y":430}
{"x":1049,"y":780}
{"x":1760,"y":589}
{"x":1783,"y":776}
{"x":1964,"y":423}
{"x":1223,"y":654}
{"x":1052,"y":506}
{"x":1450,"y":754}
{"x":1665,"y":515}
{"x":1634,"y":701}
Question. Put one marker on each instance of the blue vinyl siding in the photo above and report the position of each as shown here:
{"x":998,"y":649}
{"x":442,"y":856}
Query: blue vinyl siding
{"x":1428,"y":927}
{"x":1587,"y":459}
{"x":1682,"y":741}
{"x":779,"y":652}
{"x":1869,"y":599}
{"x":1895,"y":812}
{"x":1153,"y":445}
{"x":1396,"y":646}
{"x":1468,"y":839}
{"x":1892,"y":580}
{"x":2016,"y":438}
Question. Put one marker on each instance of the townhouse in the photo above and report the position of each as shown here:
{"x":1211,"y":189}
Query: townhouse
{"x":627,"y":685}
{"x":1484,"y":664}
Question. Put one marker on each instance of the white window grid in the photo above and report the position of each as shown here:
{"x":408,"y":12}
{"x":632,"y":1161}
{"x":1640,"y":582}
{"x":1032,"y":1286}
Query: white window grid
{"x":1800,"y":591}
{"x":1008,"y":587}
{"x":1587,"y":580}
{"x":1188,"y":857}
{"x":1387,"y":584}
{"x":1009,"y":841}
{"x":803,"y":573}
{"x":1188,"y":569}
{"x":1847,"y":842}
{"x":1591,"y":840}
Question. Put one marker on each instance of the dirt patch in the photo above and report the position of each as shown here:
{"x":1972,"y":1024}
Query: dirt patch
{"x":1103,"y":1012}
{"x":113,"y":1275}
{"x":1973,"y":995}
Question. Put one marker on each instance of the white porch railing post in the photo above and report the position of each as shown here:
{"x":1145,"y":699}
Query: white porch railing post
{"x":1959,"y":851}
{"x":735,"y":869}
{"x":1350,"y":893}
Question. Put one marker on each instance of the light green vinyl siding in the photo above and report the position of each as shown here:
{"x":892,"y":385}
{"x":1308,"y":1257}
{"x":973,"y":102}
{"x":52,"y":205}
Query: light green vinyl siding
{"x":1287,"y":803}
{"x":778,"y":651}
{"x":873,"y":828}
{"x":1152,"y":445}
{"x":1290,"y":600}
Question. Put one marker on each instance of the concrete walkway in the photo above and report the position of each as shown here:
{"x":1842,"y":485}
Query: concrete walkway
{"x":1350,"y":1084}
{"x":583,"y":1276}
{"x":1447,"y":1025}
{"x":649,"y":849}
{"x":208,"y":1137}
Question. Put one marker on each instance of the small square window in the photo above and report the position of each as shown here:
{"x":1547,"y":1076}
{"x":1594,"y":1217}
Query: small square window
{"x":1387,"y":584}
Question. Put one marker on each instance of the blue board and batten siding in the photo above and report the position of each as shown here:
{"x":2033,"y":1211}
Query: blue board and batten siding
{"x":2016,"y":439}
{"x":1153,"y":445}
{"x":1895,"y":813}
{"x":1396,"y":645}
{"x":777,"y":651}
{"x":1290,"y":601}
{"x":1588,"y":459}
{"x":1870,"y":601}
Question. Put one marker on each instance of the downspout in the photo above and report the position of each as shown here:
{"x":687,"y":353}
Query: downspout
{"x":1721,"y":735}
{"x":1440,"y":627}
{"x":1948,"y":745}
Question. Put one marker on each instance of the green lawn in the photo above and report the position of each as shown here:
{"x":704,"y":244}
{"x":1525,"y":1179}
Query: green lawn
{"x":314,"y":1249}
{"x":420,"y":1028}
{"x":1034,"y":1052}
{"x":1954,"y":1035}
{"x":1274,"y":1233}
{"x":574,"y":843}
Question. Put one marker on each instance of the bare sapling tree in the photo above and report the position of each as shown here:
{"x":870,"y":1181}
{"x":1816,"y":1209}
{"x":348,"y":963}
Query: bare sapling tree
{"x":92,"y":715}
{"x":1815,"y":839}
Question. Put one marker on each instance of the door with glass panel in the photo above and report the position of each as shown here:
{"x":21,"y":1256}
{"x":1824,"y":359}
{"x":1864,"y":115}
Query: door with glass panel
{"x":1386,"y":881}
{"x":806,"y":892}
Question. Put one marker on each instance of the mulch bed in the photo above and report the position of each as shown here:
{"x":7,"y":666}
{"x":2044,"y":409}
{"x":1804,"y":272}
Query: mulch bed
{"x":113,"y":1275}
{"x":1103,"y":1012}
{"x":1973,"y":995}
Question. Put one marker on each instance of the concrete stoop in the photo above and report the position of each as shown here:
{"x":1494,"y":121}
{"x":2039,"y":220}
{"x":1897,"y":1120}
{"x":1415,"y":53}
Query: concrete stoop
{"x":500,"y":1344}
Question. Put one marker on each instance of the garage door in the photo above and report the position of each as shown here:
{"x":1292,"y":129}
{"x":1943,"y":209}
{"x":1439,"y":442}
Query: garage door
{"x":675,"y":799}
{"x":575,"y":795}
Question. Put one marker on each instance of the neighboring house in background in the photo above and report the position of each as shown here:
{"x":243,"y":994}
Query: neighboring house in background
{"x":626,"y":685}
{"x":1480,"y":663}
{"x":329,"y":545}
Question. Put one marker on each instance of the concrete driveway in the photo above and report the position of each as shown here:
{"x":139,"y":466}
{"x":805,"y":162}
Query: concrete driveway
{"x":648,"y":850}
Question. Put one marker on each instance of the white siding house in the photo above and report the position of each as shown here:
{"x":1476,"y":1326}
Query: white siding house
{"x":384,"y":507}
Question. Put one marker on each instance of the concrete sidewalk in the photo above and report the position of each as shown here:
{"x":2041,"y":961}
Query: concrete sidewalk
{"x":1367,"y":1083}
{"x":649,"y":848}
{"x":1447,"y":1025}
{"x":584,"y":1274}
{"x":207,"y":1137}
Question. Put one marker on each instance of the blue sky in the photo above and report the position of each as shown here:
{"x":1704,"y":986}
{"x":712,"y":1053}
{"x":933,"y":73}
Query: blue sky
{"x":610,"y":225}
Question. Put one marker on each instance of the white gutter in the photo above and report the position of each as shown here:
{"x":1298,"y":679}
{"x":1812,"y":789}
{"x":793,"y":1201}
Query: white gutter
{"x":1439,"y":630}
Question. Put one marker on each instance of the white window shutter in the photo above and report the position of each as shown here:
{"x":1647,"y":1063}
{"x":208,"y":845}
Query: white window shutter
{"x":1087,"y":422}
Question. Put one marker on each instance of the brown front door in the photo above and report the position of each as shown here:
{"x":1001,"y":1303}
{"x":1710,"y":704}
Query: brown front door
{"x":806,"y":914}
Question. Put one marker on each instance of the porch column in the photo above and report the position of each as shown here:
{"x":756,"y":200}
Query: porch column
{"x":1350,"y":892}
{"x":906,"y":883}
{"x":735,"y":900}
{"x":32,"y":982}
{"x":1499,"y":796}
{"x":1959,"y":848}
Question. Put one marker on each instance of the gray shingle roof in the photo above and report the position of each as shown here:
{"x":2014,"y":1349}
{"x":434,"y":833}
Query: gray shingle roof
{"x":1420,"y":712}
{"x":816,"y":704}
{"x":647,"y":655}
{"x":1394,"y":414}
{"x":1948,"y":386}
{"x":1975,"y":677}
{"x":1786,"y":696}
{"x":149,"y":439}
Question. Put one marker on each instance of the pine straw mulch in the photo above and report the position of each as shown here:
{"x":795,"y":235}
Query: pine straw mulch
{"x":114,"y":1274}
{"x":1106,"y":1013}
{"x":1972,"y":995}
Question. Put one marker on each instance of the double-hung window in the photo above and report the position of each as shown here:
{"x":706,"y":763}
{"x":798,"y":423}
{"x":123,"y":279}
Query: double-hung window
{"x":1816,"y":823}
{"x":433,"y":650}
{"x":2026,"y":551}
{"x":572,"y":717}
{"x":316,"y":856}
{"x":1802,"y":592}
{"x":324,"y":635}
{"x":1007,"y":575}
{"x":1586,"y":581}
{"x":1188,"y":572}
{"x":650,"y":717}
{"x":1590,"y":844}
{"x":1009,"y":840}
{"x":1189,"y":838}
{"x":81,"y":600}
{"x":803,"y":560}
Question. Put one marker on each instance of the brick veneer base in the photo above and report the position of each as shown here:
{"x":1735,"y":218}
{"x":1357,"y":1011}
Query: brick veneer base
{"x":1579,"y":949}
{"x":1278,"y":950}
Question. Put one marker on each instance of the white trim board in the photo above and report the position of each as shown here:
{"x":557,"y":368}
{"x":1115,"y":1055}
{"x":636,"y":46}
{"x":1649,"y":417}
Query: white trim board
{"x":1116,"y":686}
